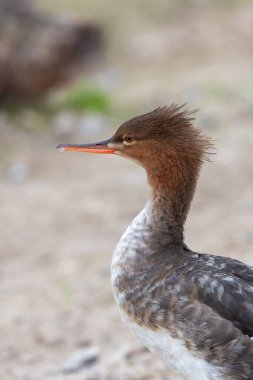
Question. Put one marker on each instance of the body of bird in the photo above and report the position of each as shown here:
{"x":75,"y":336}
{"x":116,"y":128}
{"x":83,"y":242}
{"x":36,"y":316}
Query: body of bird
{"x":194,"y":311}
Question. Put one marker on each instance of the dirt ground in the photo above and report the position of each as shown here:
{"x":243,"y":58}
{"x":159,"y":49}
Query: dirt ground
{"x":62,"y":214}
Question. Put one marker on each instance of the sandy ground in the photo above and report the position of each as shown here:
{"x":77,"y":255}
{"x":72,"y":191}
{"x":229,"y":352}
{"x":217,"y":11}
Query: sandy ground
{"x":62,"y":214}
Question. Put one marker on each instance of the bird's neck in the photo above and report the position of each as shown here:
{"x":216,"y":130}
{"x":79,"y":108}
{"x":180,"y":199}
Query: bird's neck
{"x":172,"y":189}
{"x":158,"y":229}
{"x":165,"y":228}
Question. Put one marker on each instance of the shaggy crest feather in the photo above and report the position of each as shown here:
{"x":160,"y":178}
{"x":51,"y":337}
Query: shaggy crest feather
{"x":173,"y":125}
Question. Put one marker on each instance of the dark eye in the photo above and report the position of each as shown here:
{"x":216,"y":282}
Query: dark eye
{"x":128,"y":139}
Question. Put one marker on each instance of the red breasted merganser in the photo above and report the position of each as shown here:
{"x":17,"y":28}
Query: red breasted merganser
{"x":193,"y":310}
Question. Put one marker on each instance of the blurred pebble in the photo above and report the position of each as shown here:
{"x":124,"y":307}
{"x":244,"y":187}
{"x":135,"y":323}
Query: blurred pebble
{"x":79,"y":360}
{"x":245,"y":203}
{"x":124,"y":350}
{"x":18,"y":172}
{"x":148,"y":45}
{"x":29,"y":358}
{"x":65,"y":122}
{"x":248,"y":238}
{"x":192,"y":95}
{"x":49,"y":334}
{"x":247,"y":113}
{"x":91,"y":123}
{"x":109,"y":79}
{"x":207,"y":121}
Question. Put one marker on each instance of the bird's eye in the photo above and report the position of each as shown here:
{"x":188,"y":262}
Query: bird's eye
{"x":128,"y":139}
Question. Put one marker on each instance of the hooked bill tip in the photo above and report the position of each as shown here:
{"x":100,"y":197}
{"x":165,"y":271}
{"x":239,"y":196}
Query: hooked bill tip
{"x":60,"y":147}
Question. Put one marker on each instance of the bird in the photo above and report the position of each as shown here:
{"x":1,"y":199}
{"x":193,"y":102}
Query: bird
{"x":192,"y":310}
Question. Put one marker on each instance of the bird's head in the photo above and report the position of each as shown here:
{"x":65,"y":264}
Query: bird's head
{"x":153,"y":139}
{"x":166,"y":144}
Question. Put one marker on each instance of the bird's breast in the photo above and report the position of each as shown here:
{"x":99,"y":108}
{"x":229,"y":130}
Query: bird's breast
{"x":173,"y":352}
{"x":138,"y":289}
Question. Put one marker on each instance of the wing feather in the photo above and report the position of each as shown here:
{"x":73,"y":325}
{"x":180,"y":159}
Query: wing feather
{"x":226,"y":285}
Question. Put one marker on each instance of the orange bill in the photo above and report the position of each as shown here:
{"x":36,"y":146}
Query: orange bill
{"x":99,"y":147}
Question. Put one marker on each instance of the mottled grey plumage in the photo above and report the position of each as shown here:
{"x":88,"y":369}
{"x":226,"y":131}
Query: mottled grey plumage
{"x":203,"y":300}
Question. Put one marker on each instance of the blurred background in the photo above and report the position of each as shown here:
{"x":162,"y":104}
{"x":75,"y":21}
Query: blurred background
{"x":72,"y":71}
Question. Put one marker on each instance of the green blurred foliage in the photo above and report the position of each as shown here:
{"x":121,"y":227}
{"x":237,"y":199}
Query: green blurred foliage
{"x":78,"y":99}
{"x":81,"y":99}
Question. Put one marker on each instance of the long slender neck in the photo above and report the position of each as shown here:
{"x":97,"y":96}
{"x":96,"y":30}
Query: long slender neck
{"x":164,"y":227}
{"x":156,"y":234}
{"x":172,"y":189}
{"x":157,"y":231}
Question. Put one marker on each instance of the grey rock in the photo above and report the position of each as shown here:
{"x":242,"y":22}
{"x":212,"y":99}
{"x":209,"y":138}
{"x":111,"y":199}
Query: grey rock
{"x":65,"y":122}
{"x":18,"y":172}
{"x":80,"y":360}
{"x":208,"y":121}
{"x":91,"y":123}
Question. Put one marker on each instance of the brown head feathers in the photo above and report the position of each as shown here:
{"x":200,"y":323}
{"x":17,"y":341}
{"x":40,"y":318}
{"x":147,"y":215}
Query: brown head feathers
{"x":171,"y":128}
{"x":171,"y":150}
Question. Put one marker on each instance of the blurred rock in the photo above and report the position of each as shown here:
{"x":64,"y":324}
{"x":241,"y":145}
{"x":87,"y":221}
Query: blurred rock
{"x":65,"y":122}
{"x":91,"y":124}
{"x":79,"y":360}
{"x":18,"y":172}
{"x":208,"y":121}
{"x":192,"y":95}
{"x":68,"y":122}
{"x":49,"y":334}
{"x":110,"y":78}
{"x":38,"y":51}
